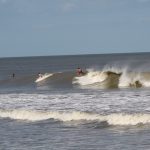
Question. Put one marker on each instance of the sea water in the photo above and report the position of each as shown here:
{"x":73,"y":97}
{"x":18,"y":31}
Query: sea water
{"x":108,"y":108}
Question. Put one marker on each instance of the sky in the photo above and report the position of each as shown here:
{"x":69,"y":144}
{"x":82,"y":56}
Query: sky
{"x":68,"y":27}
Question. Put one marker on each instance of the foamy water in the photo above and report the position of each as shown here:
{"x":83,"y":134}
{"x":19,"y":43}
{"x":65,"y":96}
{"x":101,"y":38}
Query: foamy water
{"x":114,"y":107}
{"x":111,"y":119}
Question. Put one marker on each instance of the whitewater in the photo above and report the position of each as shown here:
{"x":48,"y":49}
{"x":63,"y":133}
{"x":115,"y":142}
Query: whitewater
{"x":106,"y":108}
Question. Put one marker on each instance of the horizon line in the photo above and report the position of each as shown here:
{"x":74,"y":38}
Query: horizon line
{"x":72,"y":54}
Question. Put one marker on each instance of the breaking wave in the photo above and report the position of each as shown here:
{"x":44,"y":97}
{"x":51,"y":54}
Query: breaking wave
{"x":108,"y":77}
{"x":113,"y":77}
{"x":121,"y":119}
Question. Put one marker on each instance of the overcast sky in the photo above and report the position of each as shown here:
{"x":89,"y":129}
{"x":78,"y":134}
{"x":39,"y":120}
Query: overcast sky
{"x":60,"y":27}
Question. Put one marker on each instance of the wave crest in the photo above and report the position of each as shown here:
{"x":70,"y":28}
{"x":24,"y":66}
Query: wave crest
{"x":111,"y":119}
{"x":113,"y":77}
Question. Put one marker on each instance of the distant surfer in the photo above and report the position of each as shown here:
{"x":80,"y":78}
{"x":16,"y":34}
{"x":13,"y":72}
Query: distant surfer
{"x":13,"y":75}
{"x":136,"y":84}
{"x":79,"y":71}
{"x":40,"y":75}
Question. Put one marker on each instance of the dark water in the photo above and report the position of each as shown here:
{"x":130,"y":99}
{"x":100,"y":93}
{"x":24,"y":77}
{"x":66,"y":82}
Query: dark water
{"x":107,"y":108}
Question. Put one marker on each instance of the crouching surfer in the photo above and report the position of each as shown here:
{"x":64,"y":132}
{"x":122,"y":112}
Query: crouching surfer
{"x":79,"y":71}
{"x":136,"y":84}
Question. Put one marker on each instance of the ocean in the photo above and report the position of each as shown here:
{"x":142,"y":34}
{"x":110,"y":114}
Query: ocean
{"x":107,"y":108}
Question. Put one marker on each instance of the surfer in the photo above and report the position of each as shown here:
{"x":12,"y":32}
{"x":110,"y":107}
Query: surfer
{"x":79,"y":71}
{"x":40,"y":75}
{"x":13,"y":75}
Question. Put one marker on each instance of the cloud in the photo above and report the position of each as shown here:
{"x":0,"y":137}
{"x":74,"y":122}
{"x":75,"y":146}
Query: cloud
{"x":68,"y":6}
{"x":3,"y":1}
{"x":143,"y":1}
{"x":42,"y":26}
{"x":145,"y":19}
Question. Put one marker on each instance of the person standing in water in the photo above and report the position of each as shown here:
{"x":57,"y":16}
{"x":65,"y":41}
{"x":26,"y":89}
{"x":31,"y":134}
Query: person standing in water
{"x":13,"y":75}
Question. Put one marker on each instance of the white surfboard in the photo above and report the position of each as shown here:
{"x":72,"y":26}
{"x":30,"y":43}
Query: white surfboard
{"x":43,"y":77}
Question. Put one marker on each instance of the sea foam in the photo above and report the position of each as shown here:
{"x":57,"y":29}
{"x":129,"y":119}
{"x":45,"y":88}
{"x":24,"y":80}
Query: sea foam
{"x":111,"y":119}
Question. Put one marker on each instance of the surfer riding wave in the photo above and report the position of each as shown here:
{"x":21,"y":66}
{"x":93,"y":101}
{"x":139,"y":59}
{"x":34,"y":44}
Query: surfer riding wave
{"x":79,"y":71}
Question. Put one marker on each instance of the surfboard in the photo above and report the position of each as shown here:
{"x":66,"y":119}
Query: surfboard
{"x":43,"y":77}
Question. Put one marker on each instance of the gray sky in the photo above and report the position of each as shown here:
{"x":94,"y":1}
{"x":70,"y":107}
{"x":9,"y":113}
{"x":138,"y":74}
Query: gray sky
{"x":60,"y":27}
